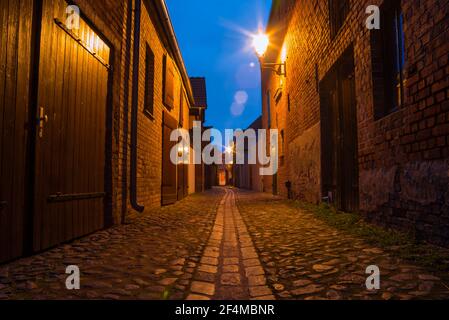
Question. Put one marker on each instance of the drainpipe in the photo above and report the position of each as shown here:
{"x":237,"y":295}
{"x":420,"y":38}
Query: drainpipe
{"x":135,"y":107}
{"x":126,"y":74}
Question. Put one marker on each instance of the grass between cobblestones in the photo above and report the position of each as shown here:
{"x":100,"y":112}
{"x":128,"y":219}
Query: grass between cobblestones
{"x":400,"y":244}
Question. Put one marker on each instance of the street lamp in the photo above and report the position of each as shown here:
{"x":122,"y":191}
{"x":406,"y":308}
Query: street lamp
{"x":261,"y":42}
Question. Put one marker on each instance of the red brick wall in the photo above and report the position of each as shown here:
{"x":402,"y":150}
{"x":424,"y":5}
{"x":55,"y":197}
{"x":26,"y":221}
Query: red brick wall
{"x":110,"y":18}
{"x":149,"y":167}
{"x":404,"y":156}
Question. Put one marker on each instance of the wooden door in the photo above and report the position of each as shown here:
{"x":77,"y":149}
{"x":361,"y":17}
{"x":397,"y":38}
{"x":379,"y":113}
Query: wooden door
{"x":199,"y":178}
{"x":339,"y":143}
{"x":169,"y":188}
{"x":183,"y":175}
{"x":71,"y":138}
{"x":275,"y":184}
{"x":349,"y":144}
{"x":15,"y":53}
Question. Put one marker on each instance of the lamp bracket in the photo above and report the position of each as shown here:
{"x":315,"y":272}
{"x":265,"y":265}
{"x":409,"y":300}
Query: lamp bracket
{"x":279,"y":68}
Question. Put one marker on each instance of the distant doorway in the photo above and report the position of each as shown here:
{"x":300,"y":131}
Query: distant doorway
{"x":275,"y":184}
{"x":339,"y":142}
{"x":222,"y":178}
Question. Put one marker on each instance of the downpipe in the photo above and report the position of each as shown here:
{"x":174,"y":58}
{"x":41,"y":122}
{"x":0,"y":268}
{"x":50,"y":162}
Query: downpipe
{"x":135,"y":107}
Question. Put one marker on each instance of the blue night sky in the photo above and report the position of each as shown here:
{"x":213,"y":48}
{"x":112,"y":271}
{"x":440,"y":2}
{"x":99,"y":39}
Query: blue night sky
{"x":211,"y":34}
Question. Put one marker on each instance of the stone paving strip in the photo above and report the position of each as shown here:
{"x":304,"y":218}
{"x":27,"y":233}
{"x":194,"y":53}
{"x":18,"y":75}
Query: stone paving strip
{"x":305,"y":258}
{"x":152,"y":257}
{"x":230,"y":268}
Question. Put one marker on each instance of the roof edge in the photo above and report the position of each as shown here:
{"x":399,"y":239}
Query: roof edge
{"x":173,"y":42}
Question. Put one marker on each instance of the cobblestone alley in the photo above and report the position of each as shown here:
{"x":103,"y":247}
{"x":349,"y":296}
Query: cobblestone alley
{"x":223,"y":244}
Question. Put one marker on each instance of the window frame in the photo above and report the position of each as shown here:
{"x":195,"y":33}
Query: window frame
{"x":388,"y":51}
{"x":148,"y":104}
{"x":338,"y":13}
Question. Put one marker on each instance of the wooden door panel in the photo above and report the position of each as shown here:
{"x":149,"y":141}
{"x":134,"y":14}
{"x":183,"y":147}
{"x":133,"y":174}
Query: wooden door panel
{"x":349,"y":149}
{"x":339,"y":135}
{"x":169,"y":170}
{"x":15,"y":53}
{"x":70,"y":156}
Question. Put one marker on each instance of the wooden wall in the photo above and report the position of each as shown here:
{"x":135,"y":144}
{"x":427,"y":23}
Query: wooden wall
{"x":15,"y":53}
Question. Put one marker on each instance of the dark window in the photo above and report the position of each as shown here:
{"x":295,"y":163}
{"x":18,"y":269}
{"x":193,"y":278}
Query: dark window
{"x":181,"y":108}
{"x":149,"y":82}
{"x":282,"y":149}
{"x":338,"y":11}
{"x":388,"y":60}
{"x":168,"y":85}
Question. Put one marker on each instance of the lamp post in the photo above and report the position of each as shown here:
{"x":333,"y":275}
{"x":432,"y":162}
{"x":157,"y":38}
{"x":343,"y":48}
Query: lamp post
{"x":261,"y":42}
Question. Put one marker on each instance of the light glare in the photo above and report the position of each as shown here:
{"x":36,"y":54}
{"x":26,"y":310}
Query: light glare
{"x":260,"y":43}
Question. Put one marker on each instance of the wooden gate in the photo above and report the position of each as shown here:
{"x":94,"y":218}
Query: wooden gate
{"x":182,"y":181}
{"x":169,"y":189}
{"x":15,"y":51}
{"x":71,"y":136}
{"x":339,"y":142}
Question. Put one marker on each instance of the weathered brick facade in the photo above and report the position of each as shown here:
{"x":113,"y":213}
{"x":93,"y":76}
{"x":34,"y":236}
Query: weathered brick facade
{"x":403,"y":156}
{"x":247,"y":176}
{"x":111,"y":18}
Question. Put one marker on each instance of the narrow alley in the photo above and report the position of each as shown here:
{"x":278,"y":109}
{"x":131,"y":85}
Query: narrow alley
{"x":224,"y":244}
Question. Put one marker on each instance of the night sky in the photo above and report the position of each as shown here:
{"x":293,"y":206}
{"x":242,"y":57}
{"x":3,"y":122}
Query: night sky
{"x":215,"y":42}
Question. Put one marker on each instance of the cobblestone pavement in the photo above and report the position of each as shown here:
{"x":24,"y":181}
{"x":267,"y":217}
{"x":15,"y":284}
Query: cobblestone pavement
{"x":223,"y":244}
{"x":153,"y":257}
{"x":230,"y":268}
{"x":304,"y":258}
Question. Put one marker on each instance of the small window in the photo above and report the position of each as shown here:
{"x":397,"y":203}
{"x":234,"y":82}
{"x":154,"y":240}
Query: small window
{"x":388,"y":60}
{"x":182,"y":102}
{"x":282,"y":149}
{"x":338,"y":11}
{"x":149,"y":82}
{"x":168,"y":83}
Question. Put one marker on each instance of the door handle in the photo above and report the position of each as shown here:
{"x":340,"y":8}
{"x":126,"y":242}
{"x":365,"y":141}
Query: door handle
{"x":41,"y":121}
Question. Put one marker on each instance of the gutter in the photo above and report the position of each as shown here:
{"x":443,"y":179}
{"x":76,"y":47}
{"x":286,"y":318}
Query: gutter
{"x":135,"y":107}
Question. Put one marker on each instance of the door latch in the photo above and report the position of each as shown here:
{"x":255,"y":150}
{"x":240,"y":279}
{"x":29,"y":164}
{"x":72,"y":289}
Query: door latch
{"x":41,"y":121}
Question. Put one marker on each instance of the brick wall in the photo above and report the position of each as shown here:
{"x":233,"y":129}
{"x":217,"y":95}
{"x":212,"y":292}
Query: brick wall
{"x":111,"y":19}
{"x":149,"y":165}
{"x":403,"y":157}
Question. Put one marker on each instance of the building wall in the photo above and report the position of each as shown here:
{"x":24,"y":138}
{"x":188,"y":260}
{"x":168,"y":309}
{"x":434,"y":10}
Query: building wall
{"x":114,"y":21}
{"x":403,"y":157}
{"x":111,"y":20}
{"x":149,"y":128}
{"x":247,"y":175}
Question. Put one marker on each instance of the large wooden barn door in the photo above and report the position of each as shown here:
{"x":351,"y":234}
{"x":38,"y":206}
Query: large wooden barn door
{"x":71,"y":137}
{"x":15,"y":47}
{"x":169,"y":188}
{"x":340,"y":174}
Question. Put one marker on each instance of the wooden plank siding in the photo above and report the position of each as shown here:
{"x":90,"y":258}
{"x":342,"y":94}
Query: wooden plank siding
{"x":70,"y":177}
{"x":15,"y":47}
{"x":169,"y":183}
{"x":339,"y":135}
